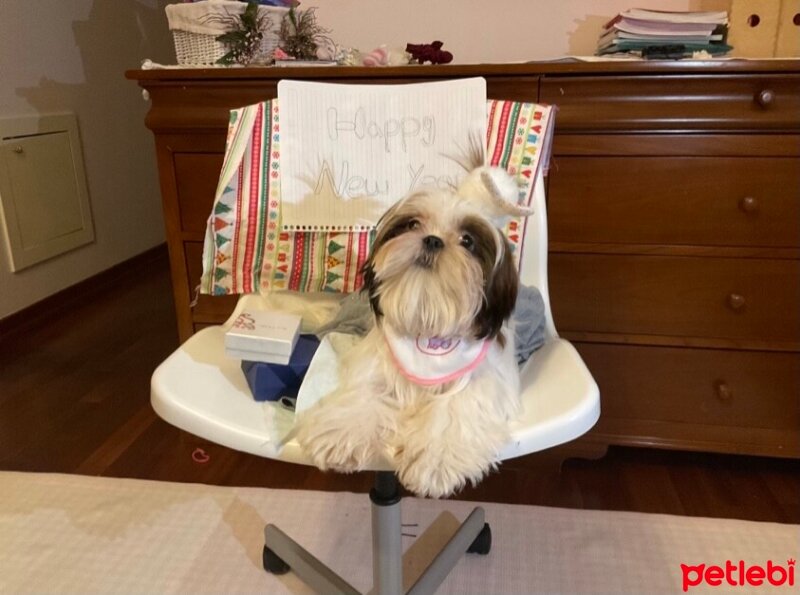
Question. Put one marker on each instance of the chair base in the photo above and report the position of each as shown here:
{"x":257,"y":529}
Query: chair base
{"x":282,"y":553}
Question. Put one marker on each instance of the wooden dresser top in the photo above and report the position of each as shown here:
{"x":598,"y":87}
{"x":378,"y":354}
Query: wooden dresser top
{"x":556,"y":68}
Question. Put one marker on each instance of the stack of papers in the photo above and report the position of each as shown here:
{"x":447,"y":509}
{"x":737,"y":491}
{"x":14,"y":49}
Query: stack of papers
{"x":654,"y":33}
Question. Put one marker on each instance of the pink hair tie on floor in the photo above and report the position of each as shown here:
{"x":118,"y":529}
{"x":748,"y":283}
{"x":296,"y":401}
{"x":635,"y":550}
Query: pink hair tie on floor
{"x":200,"y":456}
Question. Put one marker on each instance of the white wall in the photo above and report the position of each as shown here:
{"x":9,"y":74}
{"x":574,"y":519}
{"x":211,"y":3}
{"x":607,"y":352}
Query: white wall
{"x":71,"y":55}
{"x":481,"y":31}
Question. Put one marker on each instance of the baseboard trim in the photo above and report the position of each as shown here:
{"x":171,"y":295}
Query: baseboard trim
{"x":53,"y":305}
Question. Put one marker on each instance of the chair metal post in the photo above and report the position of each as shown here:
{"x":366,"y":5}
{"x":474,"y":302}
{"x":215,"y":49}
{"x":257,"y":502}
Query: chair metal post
{"x":387,"y":549}
{"x":387,"y":546}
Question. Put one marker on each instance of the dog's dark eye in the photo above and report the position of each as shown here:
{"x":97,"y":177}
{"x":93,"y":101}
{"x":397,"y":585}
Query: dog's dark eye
{"x":401,"y":227}
{"x":467,"y":241}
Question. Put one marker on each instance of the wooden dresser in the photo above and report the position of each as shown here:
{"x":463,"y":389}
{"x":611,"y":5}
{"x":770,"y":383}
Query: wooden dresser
{"x":674,"y":217}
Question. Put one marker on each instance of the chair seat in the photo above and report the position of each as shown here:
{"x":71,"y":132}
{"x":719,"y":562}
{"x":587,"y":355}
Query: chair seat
{"x":200,"y":390}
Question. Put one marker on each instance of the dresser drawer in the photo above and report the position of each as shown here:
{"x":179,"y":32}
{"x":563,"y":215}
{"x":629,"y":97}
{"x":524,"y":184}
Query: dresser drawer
{"x":196,"y":177}
{"x":701,"y":201}
{"x":687,"y":102}
{"x":749,"y":389}
{"x":723,"y":298}
{"x":194,"y":263}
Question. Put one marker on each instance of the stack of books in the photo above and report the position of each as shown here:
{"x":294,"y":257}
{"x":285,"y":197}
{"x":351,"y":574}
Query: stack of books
{"x":660,"y":34}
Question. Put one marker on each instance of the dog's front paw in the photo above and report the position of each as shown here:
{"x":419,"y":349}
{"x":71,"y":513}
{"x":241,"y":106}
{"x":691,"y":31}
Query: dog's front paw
{"x":438,"y":472}
{"x":333,"y":442}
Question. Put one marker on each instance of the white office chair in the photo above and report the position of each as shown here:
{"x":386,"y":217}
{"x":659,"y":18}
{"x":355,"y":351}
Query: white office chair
{"x":200,"y":390}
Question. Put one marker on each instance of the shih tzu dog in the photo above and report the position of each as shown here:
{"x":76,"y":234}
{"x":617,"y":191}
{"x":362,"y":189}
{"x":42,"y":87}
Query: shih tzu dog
{"x":435,"y":382}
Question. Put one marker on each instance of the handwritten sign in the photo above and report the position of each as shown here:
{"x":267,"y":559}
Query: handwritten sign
{"x":348,"y":152}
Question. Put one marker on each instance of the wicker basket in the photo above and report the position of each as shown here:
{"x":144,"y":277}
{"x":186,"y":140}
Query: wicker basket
{"x":198,"y":49}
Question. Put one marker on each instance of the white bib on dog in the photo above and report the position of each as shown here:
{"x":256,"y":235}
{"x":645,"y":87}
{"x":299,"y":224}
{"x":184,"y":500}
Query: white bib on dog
{"x":432,"y":360}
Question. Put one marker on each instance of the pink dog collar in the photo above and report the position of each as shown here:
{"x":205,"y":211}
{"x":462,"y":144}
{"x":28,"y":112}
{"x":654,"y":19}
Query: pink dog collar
{"x":432,"y":360}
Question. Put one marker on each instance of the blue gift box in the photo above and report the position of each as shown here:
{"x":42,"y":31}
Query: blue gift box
{"x":270,"y":382}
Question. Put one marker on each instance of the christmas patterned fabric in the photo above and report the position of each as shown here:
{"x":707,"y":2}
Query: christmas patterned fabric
{"x":245,"y":249}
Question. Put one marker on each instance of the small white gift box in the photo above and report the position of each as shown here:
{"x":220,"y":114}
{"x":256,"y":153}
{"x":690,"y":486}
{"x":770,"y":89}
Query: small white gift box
{"x":263,"y":336}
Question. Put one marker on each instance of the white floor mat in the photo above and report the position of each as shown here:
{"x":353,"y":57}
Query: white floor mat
{"x":76,"y":534}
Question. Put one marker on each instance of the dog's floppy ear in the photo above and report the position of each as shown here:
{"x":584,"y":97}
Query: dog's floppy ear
{"x":500,"y":297}
{"x":371,"y":285}
{"x":371,"y":282}
{"x":494,"y":193}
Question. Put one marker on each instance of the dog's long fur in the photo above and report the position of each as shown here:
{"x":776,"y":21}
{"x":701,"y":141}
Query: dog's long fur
{"x":439,"y":437}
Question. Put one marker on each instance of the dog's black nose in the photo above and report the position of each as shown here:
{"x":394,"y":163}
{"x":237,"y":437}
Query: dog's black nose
{"x":432,"y":243}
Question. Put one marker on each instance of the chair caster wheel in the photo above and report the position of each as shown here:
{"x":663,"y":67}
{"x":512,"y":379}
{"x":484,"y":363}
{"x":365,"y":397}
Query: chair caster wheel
{"x":272,"y":563}
{"x":483,"y":542}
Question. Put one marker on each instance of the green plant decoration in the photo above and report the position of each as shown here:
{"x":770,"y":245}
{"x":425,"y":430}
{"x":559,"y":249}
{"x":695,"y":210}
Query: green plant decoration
{"x":244,"y":38}
{"x":300,"y":34}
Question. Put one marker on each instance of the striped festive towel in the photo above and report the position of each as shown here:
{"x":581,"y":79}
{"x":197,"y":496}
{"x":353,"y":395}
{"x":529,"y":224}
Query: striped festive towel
{"x":245,"y":249}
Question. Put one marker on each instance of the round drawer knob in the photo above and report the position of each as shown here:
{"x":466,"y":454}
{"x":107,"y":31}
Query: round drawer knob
{"x":18,"y":150}
{"x":748,"y":204}
{"x":724,"y":392}
{"x":736,"y":301}
{"x":765,"y":98}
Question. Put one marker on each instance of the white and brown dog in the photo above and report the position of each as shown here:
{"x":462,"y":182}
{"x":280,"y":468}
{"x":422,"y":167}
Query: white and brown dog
{"x":434,"y":384}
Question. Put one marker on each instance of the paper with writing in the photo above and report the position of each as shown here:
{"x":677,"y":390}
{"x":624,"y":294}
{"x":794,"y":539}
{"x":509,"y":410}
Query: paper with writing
{"x":348,"y":152}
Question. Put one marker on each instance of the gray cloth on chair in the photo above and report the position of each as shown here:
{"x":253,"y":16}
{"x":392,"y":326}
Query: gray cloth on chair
{"x":355,"y":318}
{"x":528,"y":321}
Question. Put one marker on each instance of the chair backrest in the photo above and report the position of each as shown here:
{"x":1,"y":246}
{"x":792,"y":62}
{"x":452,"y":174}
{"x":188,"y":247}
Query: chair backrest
{"x":533,"y":263}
